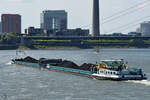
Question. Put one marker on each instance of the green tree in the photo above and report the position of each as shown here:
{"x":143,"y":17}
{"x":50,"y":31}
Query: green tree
{"x":138,"y":43}
{"x":9,"y":38}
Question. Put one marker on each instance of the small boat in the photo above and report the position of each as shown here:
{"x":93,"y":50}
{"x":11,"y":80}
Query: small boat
{"x":106,"y":69}
{"x":97,"y":50}
{"x":118,"y":70}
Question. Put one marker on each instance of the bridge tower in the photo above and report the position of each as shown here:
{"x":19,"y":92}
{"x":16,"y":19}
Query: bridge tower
{"x":95,"y":19}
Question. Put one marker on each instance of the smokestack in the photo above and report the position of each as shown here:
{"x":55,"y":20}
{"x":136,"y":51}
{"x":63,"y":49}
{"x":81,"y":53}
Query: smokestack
{"x":95,"y":23}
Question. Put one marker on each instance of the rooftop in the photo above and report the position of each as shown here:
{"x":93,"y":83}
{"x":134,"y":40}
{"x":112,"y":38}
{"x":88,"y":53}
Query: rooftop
{"x":11,"y":15}
{"x":54,"y":11}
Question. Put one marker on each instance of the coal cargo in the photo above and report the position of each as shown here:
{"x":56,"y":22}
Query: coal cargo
{"x":52,"y":61}
{"x":87,"y":67}
{"x":68,"y":64}
{"x":27,"y":59}
{"x":57,"y":62}
{"x":30,"y":59}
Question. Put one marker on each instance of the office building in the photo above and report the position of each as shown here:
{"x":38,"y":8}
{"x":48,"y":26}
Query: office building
{"x":54,"y":20}
{"x":145,"y":28}
{"x":32,"y":31}
{"x":11,"y":23}
{"x":134,"y":34}
{"x":73,"y":32}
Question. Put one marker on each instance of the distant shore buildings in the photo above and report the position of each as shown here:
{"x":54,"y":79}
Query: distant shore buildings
{"x":54,"y":20}
{"x":11,"y":23}
{"x":145,"y":28}
{"x":55,"y":23}
{"x":32,"y":31}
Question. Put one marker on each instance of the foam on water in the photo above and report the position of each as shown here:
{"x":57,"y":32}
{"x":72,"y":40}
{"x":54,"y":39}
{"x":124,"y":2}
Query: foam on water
{"x":144,"y":82}
{"x":8,"y":63}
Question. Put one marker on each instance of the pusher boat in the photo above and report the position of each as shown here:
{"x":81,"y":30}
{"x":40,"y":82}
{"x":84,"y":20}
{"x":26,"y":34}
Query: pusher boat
{"x":117,"y":70}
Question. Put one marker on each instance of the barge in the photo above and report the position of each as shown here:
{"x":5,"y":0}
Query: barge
{"x":105,"y":70}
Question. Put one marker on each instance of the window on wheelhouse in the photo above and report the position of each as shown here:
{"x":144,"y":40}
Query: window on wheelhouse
{"x":106,"y":72}
{"x":101,"y":71}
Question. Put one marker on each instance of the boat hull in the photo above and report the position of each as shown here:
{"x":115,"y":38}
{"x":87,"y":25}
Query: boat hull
{"x":55,"y":68}
{"x":80,"y":72}
{"x":120,"y":77}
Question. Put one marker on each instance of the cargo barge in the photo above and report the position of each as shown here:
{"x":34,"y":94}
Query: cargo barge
{"x":105,"y":70}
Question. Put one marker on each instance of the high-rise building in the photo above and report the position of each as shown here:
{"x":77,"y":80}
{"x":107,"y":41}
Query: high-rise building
{"x":145,"y":28}
{"x":11,"y":23}
{"x":54,"y":19}
{"x":95,"y":23}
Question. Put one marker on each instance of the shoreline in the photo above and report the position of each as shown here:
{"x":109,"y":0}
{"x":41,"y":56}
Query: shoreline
{"x":68,"y":48}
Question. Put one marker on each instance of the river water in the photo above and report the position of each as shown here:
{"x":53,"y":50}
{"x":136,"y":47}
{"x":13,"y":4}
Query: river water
{"x":24,"y":83}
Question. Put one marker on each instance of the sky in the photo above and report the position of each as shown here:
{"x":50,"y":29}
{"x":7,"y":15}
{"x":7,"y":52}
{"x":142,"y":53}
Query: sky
{"x":80,"y":13}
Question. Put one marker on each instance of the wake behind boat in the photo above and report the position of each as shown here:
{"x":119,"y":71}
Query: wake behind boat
{"x":106,"y":69}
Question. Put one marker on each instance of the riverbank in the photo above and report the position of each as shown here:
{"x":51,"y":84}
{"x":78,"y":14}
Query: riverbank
{"x":14,"y":47}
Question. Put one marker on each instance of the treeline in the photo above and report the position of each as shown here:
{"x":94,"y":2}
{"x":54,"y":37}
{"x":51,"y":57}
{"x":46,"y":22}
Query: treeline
{"x":90,"y":43}
{"x":13,"y":40}
{"x":9,"y":38}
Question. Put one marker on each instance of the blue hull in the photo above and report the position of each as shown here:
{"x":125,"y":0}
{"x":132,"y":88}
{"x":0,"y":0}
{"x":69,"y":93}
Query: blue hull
{"x":26,"y":63}
{"x":55,"y":68}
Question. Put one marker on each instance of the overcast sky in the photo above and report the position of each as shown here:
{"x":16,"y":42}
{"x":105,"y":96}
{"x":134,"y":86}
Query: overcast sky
{"x":80,"y":12}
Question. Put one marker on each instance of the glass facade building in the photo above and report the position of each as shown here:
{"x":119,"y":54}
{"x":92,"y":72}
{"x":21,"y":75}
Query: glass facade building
{"x":145,"y":28}
{"x":54,"y":20}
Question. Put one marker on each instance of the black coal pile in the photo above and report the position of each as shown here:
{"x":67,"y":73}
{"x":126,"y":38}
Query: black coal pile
{"x":68,"y":64}
{"x":18,"y":59}
{"x":87,"y":67}
{"x":58,"y":62}
{"x":28,"y":59}
{"x":53,"y":61}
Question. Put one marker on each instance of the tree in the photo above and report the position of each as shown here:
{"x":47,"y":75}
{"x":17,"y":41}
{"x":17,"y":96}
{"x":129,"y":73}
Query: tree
{"x":9,"y":38}
{"x":138,"y":43}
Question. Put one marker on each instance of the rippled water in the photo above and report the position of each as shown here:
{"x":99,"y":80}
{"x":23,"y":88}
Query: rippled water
{"x":24,"y":83}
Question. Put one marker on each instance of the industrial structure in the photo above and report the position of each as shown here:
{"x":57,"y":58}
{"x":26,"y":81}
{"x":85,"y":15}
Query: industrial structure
{"x":73,"y":32}
{"x":11,"y":23}
{"x":54,"y":19}
{"x":95,"y":23}
{"x":145,"y":28}
{"x":32,"y":31}
{"x":54,"y":23}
